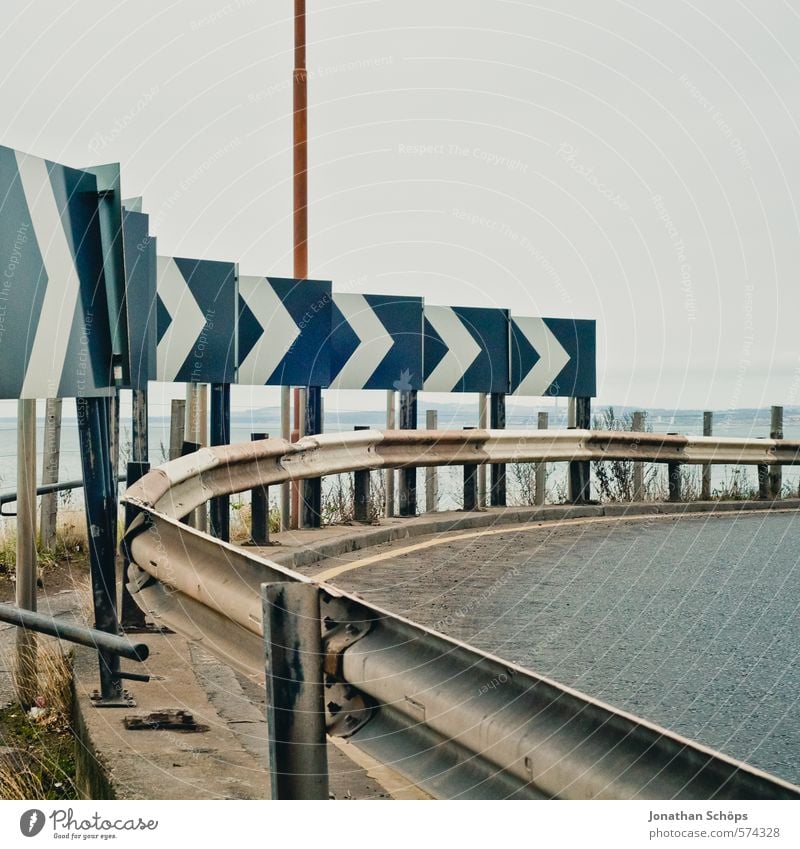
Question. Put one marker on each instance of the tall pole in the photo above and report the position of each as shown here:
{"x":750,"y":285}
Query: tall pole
{"x":300,"y":98}
{"x":300,"y":210}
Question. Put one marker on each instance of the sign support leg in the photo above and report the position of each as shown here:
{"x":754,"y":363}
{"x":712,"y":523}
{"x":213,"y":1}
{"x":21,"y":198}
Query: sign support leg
{"x":221,"y":435}
{"x":408,"y":477}
{"x":579,"y":487}
{"x":131,"y":615}
{"x":312,"y":488}
{"x":497,"y":421}
{"x":101,"y":521}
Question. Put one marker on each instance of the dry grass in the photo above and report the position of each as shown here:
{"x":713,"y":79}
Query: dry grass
{"x":42,"y":764}
{"x":70,"y":541}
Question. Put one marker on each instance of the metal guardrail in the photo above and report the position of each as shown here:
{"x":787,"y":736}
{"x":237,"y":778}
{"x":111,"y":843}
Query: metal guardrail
{"x":72,"y":633}
{"x":458,"y":722}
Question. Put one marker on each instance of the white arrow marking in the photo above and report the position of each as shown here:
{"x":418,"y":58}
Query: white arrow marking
{"x":280,"y":330}
{"x":187,"y":322}
{"x":552,"y":357}
{"x":462,"y":350}
{"x":53,"y":331}
{"x":374,"y":342}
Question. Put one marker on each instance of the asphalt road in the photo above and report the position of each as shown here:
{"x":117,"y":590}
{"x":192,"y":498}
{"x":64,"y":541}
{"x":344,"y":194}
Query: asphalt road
{"x":691,"y":623}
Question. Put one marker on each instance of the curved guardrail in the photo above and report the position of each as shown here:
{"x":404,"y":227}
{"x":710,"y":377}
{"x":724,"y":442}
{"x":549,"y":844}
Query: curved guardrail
{"x":412,"y":698}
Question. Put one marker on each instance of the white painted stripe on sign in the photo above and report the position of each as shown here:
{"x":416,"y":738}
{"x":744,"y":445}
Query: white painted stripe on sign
{"x":552,"y":357}
{"x":280,"y":330}
{"x":187,"y":322}
{"x":375,"y":342}
{"x":54,"y":329}
{"x":462,"y":349}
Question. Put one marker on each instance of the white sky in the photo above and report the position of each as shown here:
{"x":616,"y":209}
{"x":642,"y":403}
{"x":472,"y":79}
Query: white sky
{"x":595,"y":109}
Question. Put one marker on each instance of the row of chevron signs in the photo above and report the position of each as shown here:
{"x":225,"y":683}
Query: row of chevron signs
{"x":301,"y":333}
{"x":86,"y":305}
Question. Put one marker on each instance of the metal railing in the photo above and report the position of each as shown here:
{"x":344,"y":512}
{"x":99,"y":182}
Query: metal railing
{"x":456,"y":721}
{"x":45,"y":489}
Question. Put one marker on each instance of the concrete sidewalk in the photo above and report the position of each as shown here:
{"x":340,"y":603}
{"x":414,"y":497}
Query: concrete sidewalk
{"x":229,"y":759}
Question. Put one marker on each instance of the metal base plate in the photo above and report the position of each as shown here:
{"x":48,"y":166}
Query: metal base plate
{"x":126,"y":700}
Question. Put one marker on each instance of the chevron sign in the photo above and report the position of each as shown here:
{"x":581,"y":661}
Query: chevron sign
{"x":196,"y":320}
{"x":55,"y":339}
{"x":553,"y":356}
{"x":376,"y":342}
{"x":466,"y":349}
{"x":284,"y":331}
{"x":140,"y":297}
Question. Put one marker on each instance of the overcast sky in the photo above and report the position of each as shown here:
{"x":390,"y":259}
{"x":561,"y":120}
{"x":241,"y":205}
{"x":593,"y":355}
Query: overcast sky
{"x":635,"y":163}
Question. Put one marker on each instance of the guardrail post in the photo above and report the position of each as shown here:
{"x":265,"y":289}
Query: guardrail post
{"x":763,"y":481}
{"x":259,"y":507}
{"x":637,"y":426}
{"x":470,"y":484}
{"x":482,"y":424}
{"x":177,"y":427}
{"x":497,"y":421}
{"x":708,"y":429}
{"x":431,"y":477}
{"x":674,"y":481}
{"x":408,"y":477}
{"x":220,"y":513}
{"x":50,"y":462}
{"x":25,"y":682}
{"x":100,"y":501}
{"x":361,"y":490}
{"x":312,"y":487}
{"x":775,"y":472}
{"x":132,"y":617}
{"x":540,"y":469}
{"x":579,"y":470}
{"x":298,"y":755}
{"x":388,"y":474}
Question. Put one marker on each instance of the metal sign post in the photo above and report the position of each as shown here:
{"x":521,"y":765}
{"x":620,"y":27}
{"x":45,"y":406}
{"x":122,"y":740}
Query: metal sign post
{"x":100,"y":500}
{"x":407,"y":496}
{"x":221,"y":435}
{"x":497,"y":421}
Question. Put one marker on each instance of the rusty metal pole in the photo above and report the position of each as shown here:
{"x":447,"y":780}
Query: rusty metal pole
{"x":25,"y":679}
{"x":300,"y":188}
{"x":50,"y":464}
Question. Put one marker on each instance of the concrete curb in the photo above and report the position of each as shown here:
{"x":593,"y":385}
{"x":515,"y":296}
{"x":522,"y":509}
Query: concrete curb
{"x":296,"y":552}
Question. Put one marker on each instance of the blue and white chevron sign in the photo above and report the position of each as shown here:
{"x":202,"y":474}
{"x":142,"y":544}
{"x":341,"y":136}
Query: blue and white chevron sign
{"x":376,"y":342}
{"x":466,"y":349}
{"x":196,"y":320}
{"x":284,"y":331}
{"x":553,"y":356}
{"x":55,"y":339}
{"x":140,"y":297}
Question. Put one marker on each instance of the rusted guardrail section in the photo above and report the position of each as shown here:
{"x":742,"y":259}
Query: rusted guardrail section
{"x":456,"y":721}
